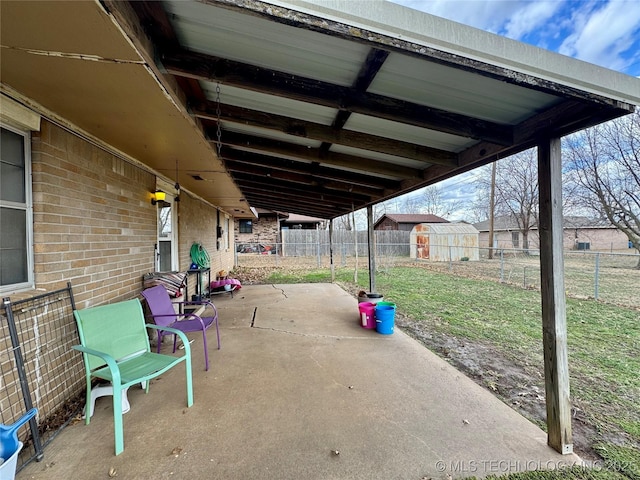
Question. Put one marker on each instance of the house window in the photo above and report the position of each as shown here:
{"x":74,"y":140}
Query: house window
{"x":515,"y":239}
{"x":246,"y":226}
{"x":16,"y":232}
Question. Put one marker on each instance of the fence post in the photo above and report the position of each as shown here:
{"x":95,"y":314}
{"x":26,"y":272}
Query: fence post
{"x":343,"y":250}
{"x":318,"y":244}
{"x":596,"y":280}
{"x":450,"y":260}
{"x":524,"y":277}
{"x":501,"y":266}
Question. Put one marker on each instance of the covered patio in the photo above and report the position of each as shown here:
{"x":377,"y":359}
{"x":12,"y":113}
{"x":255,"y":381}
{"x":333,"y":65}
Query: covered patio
{"x":297,"y":380}
{"x":317,"y":108}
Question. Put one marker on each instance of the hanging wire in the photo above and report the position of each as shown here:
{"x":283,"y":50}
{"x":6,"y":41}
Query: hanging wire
{"x":218,"y":115}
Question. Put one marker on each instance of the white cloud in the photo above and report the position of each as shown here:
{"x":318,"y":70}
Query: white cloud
{"x":603,"y":34}
{"x":530,"y":17}
{"x":486,"y":15}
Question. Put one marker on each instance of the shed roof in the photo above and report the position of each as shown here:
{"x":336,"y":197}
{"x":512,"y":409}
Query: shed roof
{"x":411,"y":218}
{"x":445,"y":229}
{"x":313,"y":107}
{"x":295,"y":218}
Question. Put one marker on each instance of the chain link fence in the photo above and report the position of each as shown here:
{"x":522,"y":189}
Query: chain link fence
{"x":611,"y":277}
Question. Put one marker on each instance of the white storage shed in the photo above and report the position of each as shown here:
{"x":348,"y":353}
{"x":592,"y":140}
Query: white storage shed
{"x":441,"y":242}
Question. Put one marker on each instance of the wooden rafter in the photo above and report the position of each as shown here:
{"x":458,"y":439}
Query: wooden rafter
{"x":312,"y":169}
{"x":324,"y":133}
{"x":211,"y":68}
{"x":370,"y":68}
{"x":313,"y":154}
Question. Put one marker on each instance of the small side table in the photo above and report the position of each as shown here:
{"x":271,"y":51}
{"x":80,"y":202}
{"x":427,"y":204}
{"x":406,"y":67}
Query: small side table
{"x":199,"y":272}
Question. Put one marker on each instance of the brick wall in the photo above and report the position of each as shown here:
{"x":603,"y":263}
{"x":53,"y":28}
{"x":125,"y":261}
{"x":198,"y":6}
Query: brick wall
{"x":265,"y":231}
{"x":197,"y":223}
{"x":94,"y":224}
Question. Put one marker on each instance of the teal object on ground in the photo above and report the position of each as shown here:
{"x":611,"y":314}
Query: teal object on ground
{"x":385,"y":319}
{"x":388,"y":304}
{"x":115,"y":348}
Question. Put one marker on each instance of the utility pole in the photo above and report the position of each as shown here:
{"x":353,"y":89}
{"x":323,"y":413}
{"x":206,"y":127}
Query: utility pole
{"x":492,"y":205}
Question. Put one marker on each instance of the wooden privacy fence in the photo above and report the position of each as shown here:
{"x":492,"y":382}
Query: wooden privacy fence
{"x":39,"y":369}
{"x":302,"y":243}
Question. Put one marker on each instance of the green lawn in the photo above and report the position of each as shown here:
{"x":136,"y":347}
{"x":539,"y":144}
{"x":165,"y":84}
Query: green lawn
{"x":603,"y":342}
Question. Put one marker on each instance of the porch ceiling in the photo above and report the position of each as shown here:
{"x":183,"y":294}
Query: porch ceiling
{"x":318,"y":109}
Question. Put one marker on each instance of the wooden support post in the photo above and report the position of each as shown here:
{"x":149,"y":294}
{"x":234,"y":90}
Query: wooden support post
{"x":333,"y":270}
{"x":372,"y":250}
{"x":554,"y":319}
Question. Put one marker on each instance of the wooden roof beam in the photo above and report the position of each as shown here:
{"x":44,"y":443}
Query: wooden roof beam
{"x":310,"y":154}
{"x":302,"y":209}
{"x":311,"y":192}
{"x":303,"y":179}
{"x":324,"y":133}
{"x":561,"y":119}
{"x":368,"y":71}
{"x":314,"y":169}
{"x":211,"y":68}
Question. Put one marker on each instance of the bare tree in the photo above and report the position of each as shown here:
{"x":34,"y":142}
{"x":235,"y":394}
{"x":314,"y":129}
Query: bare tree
{"x":435,"y":202}
{"x":516,"y":191}
{"x":343,"y":222}
{"x":478,"y":209}
{"x":605,"y":165}
{"x":411,"y":204}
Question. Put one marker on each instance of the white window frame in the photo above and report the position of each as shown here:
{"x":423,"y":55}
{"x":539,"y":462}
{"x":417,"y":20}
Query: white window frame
{"x":175,"y":261}
{"x":28,"y":207}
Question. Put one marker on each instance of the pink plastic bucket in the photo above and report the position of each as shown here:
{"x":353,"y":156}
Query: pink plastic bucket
{"x":367,"y":310}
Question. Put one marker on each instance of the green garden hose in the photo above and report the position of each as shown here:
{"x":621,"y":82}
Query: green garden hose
{"x":199,"y":255}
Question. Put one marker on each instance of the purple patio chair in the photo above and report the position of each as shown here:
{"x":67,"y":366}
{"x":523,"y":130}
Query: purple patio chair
{"x":164,"y":315}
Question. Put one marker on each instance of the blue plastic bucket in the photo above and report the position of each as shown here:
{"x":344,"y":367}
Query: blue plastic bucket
{"x":385,"y":319}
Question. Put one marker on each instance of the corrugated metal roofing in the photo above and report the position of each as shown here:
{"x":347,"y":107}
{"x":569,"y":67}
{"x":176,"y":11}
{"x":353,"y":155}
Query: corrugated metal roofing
{"x":320,"y":107}
{"x":413,"y":218}
{"x":451,"y":228}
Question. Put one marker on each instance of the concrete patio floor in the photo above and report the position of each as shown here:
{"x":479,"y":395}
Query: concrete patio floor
{"x":296,"y":380}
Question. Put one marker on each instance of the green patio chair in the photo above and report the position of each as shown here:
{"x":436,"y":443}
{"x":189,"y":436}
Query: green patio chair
{"x":115,"y":347}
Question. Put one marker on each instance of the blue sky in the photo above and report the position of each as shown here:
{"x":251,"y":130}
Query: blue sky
{"x":604,"y":32}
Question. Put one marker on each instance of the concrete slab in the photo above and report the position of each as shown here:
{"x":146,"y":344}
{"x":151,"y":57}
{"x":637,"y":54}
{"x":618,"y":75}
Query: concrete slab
{"x":296,"y":380}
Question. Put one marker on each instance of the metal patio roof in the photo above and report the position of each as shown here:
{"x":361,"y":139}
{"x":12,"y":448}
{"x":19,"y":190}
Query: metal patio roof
{"x":318,"y":108}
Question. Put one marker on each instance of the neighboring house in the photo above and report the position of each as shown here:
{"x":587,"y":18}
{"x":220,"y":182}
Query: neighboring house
{"x":580,"y":233}
{"x":265,"y":228}
{"x":301,"y":222}
{"x":261,"y":229}
{"x":405,"y":221}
